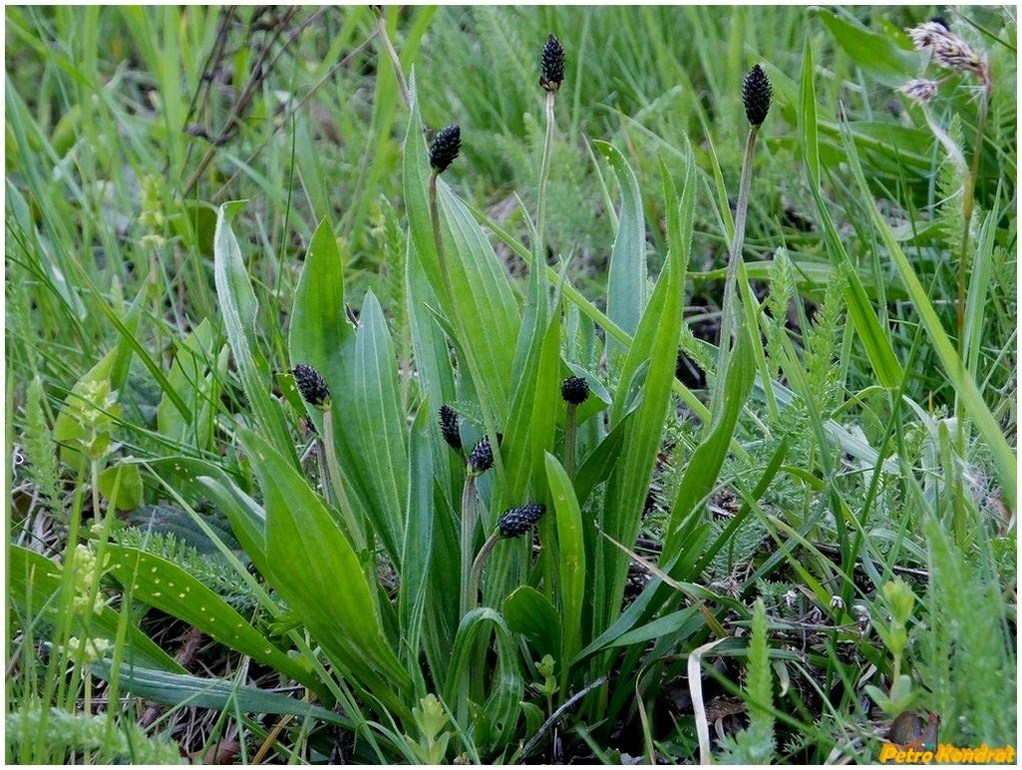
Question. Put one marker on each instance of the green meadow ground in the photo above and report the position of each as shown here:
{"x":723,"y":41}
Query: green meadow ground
{"x":783,"y":516}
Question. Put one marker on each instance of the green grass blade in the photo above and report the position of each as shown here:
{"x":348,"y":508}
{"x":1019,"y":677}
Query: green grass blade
{"x":875,"y":338}
{"x":704,"y":467}
{"x":963,"y":381}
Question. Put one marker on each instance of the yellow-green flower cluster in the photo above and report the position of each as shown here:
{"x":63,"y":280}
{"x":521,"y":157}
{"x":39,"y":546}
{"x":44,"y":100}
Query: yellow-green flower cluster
{"x":86,"y":574}
{"x":86,"y":652}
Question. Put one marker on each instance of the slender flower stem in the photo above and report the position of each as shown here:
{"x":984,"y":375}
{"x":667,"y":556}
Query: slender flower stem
{"x":334,"y":471}
{"x":968,"y":204}
{"x":87,"y":700}
{"x":729,"y":319}
{"x":469,"y":516}
{"x":544,"y":173}
{"x":570,"y":439}
{"x":477,"y":571}
{"x":438,"y":239}
{"x":395,"y":60}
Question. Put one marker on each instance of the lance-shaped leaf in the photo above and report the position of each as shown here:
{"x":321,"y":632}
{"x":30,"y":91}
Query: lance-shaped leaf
{"x":314,"y":568}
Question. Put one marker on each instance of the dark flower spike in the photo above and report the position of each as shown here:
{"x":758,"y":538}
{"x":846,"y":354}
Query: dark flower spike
{"x":518,"y":521}
{"x":575,"y":390}
{"x":449,"y":421}
{"x":481,"y":459}
{"x":312,"y":386}
{"x":552,"y":64}
{"x":756,"y":93}
{"x":445,"y":147}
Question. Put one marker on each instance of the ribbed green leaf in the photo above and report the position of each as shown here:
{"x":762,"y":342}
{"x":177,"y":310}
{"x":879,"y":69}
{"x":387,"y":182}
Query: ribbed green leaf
{"x":680,"y":622}
{"x":572,"y":562}
{"x":362,"y":402}
{"x":530,"y":613}
{"x":626,"y":281}
{"x":316,"y":571}
{"x":239,"y":306}
{"x":164,"y":585}
{"x":875,"y":53}
{"x":374,"y":412}
{"x":191,"y":377}
{"x":503,"y":691}
{"x":600,"y":462}
{"x":173,"y":689}
{"x":655,"y":346}
{"x":246,"y":516}
{"x":319,"y":329}
{"x":34,"y":581}
{"x":417,"y":553}
{"x":537,"y":400}
{"x":432,"y":364}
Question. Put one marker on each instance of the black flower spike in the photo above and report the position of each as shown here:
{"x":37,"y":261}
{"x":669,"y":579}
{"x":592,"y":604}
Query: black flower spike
{"x":575,"y":390}
{"x":756,"y":93}
{"x":445,"y":147}
{"x":312,"y":386}
{"x":481,"y":459}
{"x":449,"y":420}
{"x":517,"y":521}
{"x":552,"y":64}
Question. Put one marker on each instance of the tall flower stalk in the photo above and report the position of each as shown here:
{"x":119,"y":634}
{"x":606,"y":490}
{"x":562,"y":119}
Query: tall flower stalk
{"x":756,"y":95}
{"x":551,"y":76}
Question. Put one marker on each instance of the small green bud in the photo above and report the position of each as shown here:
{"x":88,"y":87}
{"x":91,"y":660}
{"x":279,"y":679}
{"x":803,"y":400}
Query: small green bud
{"x":900,"y":600}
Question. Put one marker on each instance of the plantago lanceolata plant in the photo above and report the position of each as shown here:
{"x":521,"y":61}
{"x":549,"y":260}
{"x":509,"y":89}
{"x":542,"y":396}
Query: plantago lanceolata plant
{"x":524,"y":476}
